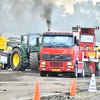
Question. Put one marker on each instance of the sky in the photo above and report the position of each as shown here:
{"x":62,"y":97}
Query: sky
{"x":18,"y":16}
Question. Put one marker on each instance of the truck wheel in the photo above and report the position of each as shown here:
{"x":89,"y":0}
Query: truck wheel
{"x":43,"y":73}
{"x":75,"y":73}
{"x":90,"y":71}
{"x":96,"y":69}
{"x":34,"y":61}
{"x":16,"y":60}
{"x":83,"y":73}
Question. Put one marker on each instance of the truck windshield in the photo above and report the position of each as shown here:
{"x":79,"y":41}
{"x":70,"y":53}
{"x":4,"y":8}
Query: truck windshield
{"x":86,"y":38}
{"x":57,"y":41}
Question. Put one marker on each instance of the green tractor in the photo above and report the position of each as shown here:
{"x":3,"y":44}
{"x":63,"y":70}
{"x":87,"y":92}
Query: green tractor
{"x":27,"y":53}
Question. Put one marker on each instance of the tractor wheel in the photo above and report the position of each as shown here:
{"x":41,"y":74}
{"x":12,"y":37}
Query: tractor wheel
{"x":16,"y":60}
{"x":34,"y":61}
{"x":75,"y":73}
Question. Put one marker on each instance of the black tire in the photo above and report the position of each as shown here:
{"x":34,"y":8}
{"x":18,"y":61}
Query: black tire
{"x":34,"y":61}
{"x":90,"y":72}
{"x":75,"y":73}
{"x":83,"y":73}
{"x":5,"y":66}
{"x":43,"y":73}
{"x":19,"y":66}
{"x":96,"y":69}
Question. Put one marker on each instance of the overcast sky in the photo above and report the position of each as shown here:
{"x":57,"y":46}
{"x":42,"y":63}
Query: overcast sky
{"x":18,"y":16}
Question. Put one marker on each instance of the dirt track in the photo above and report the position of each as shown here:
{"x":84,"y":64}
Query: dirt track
{"x":21,"y":86}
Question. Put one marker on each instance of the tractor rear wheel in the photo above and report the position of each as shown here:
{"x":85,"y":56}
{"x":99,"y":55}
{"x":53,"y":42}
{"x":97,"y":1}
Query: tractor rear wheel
{"x":16,"y":60}
{"x":34,"y":61}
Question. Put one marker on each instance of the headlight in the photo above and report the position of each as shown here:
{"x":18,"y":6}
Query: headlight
{"x":69,"y":63}
{"x":43,"y":63}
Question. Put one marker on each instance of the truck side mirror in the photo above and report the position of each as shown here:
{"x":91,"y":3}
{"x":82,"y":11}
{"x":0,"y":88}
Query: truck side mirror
{"x":77,"y":42}
{"x":37,"y":41}
{"x":21,"y":38}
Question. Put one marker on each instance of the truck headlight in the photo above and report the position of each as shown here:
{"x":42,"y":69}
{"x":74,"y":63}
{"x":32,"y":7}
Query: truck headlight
{"x":69,"y":63}
{"x":43,"y":63}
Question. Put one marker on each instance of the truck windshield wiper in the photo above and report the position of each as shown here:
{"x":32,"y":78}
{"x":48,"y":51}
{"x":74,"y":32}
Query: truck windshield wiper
{"x":62,"y":44}
{"x":50,"y":45}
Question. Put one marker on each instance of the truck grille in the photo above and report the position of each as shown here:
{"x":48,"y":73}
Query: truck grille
{"x":55,"y":57}
{"x":55,"y":64}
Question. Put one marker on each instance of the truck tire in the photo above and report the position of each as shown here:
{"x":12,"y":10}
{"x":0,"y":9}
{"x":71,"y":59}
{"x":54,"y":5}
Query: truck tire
{"x":83,"y":73}
{"x":16,"y":60}
{"x":75,"y":73}
{"x":96,"y":69}
{"x":34,"y":61}
{"x":90,"y":71}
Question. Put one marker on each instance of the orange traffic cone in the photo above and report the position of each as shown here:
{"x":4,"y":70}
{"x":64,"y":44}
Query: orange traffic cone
{"x":37,"y":92}
{"x":73,"y":88}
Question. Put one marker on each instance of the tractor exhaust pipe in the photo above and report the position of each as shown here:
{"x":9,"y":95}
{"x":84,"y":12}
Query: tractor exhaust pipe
{"x":48,"y":24}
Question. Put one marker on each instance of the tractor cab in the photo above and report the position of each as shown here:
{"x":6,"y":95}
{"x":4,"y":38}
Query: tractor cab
{"x":29,"y":39}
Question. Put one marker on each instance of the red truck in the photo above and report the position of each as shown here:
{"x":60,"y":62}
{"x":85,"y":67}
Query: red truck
{"x":87,"y":38}
{"x":60,"y":54}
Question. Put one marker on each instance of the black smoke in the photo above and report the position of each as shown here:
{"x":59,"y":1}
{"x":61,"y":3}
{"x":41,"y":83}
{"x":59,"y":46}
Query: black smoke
{"x":42,"y":8}
{"x":48,"y":23}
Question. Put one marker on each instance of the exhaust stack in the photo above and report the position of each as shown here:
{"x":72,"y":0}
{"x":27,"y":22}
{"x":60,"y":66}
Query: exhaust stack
{"x":48,"y":24}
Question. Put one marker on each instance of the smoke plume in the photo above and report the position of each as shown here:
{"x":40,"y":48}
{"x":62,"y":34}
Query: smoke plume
{"x":43,"y":8}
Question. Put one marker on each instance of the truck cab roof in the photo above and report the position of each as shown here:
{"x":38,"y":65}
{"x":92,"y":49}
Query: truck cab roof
{"x":58,"y":33}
